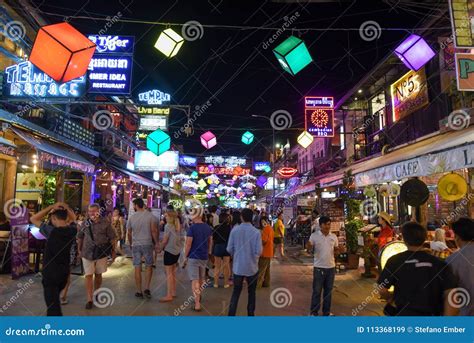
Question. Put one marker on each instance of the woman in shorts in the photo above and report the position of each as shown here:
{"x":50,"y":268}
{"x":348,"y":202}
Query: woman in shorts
{"x":220,"y":237}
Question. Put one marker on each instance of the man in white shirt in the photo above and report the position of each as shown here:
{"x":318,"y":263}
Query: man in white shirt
{"x":325,"y":244}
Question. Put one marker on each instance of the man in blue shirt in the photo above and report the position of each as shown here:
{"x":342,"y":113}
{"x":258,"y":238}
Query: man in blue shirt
{"x":245,"y":247}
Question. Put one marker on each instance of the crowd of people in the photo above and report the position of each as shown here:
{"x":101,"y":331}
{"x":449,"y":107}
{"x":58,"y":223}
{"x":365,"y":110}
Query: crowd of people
{"x":239,"y":245}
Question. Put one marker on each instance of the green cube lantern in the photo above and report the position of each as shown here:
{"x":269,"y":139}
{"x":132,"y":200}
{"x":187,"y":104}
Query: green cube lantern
{"x":247,"y":137}
{"x":169,"y":43}
{"x":267,"y":169}
{"x":158,"y":142}
{"x":292,"y":55}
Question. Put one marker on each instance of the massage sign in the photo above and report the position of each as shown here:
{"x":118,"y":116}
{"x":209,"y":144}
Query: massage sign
{"x":319,"y":116}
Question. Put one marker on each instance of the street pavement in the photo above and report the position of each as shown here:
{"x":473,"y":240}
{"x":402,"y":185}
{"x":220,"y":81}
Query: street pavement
{"x":289,"y":294}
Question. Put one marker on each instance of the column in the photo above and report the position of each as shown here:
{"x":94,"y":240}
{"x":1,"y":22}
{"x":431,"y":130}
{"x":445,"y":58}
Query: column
{"x":60,"y":186}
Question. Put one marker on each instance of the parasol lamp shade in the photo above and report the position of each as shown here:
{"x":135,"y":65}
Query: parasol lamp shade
{"x":247,"y":138}
{"x":208,"y":140}
{"x":292,"y":55}
{"x":62,"y":52}
{"x":414,"y":52}
{"x":414,"y":192}
{"x":158,"y":142}
{"x":305,"y":139}
{"x":452,"y":187}
{"x":169,"y":43}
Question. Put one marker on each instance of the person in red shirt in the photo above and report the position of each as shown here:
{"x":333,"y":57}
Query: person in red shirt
{"x":386,"y":232}
{"x":267,"y":253}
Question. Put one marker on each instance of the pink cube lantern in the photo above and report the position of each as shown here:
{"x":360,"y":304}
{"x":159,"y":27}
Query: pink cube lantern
{"x":208,"y":140}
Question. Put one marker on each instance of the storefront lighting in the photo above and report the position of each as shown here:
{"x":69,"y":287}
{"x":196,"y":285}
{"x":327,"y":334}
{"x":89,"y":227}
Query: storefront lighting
{"x":305,"y":139}
{"x":24,"y":166}
{"x":292,"y":55}
{"x":247,"y":137}
{"x":169,"y":43}
{"x":208,"y":140}
{"x":62,"y":52}
{"x":359,"y":91}
{"x":414,"y":52}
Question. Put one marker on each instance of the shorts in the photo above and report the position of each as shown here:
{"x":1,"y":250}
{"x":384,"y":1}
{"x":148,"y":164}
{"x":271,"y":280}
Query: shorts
{"x":277,"y":240}
{"x":196,"y":269}
{"x":145,"y":251}
{"x":220,"y":250}
{"x":94,"y":266}
{"x":169,"y":259}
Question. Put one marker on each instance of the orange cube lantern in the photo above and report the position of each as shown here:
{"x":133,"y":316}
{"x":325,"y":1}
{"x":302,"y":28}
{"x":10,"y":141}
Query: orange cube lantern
{"x":62,"y":52}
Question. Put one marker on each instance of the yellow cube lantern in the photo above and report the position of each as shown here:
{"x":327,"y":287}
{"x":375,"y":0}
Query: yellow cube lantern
{"x":305,"y":139}
{"x":169,"y":43}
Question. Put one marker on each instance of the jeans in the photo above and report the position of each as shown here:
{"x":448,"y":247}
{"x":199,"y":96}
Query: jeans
{"x":323,"y":281}
{"x":251,"y":286}
{"x":52,"y":289}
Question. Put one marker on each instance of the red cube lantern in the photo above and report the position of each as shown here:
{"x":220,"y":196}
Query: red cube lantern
{"x":62,"y":52}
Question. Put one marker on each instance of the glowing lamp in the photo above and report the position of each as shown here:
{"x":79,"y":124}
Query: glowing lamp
{"x":267,"y":169}
{"x":194,"y":175}
{"x":62,"y":52}
{"x":247,"y":137}
{"x":202,"y":183}
{"x":158,"y":142}
{"x":261,"y":181}
{"x":414,"y":52}
{"x":305,"y":139}
{"x":208,"y":139}
{"x":292,"y":55}
{"x":169,"y":43}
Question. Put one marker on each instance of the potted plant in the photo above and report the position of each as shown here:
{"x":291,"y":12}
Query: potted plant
{"x":352,"y":232}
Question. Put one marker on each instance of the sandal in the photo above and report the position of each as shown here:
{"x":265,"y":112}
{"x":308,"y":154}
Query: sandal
{"x":197,"y":309}
{"x":139,"y":295}
{"x":165,"y":300}
{"x":147,"y":293}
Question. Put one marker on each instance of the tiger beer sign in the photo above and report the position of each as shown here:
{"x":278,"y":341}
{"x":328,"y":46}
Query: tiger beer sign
{"x":465,"y":71}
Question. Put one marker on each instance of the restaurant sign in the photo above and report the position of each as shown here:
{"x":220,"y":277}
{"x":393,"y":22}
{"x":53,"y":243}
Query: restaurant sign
{"x":409,"y":94}
{"x":7,"y":150}
{"x":204,"y":169}
{"x":442,"y":162}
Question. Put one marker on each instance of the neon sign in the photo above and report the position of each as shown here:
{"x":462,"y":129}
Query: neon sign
{"x":287,"y":172}
{"x":25,"y":80}
{"x":229,"y":161}
{"x":152,"y":123}
{"x":319,"y":115}
{"x":187,"y":161}
{"x":318,"y":102}
{"x":261,"y":166}
{"x":409,"y":94}
{"x":152,"y":110}
{"x":204,"y":169}
{"x":154,"y":97}
{"x":113,"y":44}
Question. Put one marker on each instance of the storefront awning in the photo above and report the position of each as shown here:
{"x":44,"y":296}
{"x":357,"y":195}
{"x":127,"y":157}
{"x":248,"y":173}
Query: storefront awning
{"x":306,"y":188}
{"x":56,"y":154}
{"x":139,"y":179}
{"x":437,"y":154}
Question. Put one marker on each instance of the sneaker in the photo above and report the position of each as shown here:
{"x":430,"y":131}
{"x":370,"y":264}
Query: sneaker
{"x":216,"y":285}
{"x":89,"y":305}
{"x":226,"y":286}
{"x":147,"y":293}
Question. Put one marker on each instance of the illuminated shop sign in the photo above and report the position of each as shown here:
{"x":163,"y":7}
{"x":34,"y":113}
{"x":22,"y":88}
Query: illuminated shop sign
{"x":261,"y":166}
{"x":110,"y":69}
{"x":318,"y":102}
{"x":225,"y":161}
{"x":152,"y":123}
{"x":145,"y":160}
{"x":25,"y":80}
{"x":287,"y":172}
{"x":187,"y":161}
{"x":204,"y":169}
{"x":320,"y":122}
{"x":153,"y":110}
{"x":113,"y":44}
{"x":462,"y":21}
{"x":154,"y":97}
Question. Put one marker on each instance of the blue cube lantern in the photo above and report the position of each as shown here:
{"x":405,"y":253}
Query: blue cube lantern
{"x":247,"y":137}
{"x":292,"y":55}
{"x":158,"y":142}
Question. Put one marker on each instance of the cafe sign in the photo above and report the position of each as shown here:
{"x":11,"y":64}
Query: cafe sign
{"x":409,"y":94}
{"x":465,"y":71}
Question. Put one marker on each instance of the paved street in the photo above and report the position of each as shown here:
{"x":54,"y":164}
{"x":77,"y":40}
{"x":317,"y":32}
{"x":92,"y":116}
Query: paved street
{"x":293,"y":277}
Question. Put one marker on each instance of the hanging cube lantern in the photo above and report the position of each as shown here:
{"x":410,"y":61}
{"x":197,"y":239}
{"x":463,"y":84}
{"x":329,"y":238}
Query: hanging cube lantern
{"x":158,"y":142}
{"x":305,"y":139}
{"x":208,"y":139}
{"x":194,"y":175}
{"x":247,"y":137}
{"x":414,"y":52}
{"x":202,"y":184}
{"x":292,"y":55}
{"x":169,"y":43}
{"x":261,"y":181}
{"x":267,"y":169}
{"x":62,"y":52}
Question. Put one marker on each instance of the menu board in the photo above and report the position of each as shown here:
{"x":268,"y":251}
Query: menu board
{"x":335,"y":211}
{"x":20,"y":250}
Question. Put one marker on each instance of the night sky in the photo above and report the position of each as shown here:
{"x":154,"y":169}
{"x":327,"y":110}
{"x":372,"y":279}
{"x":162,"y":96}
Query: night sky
{"x":232,"y":69}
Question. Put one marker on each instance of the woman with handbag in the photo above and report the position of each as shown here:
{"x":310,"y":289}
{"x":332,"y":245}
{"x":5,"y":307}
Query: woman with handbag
{"x":95,"y":243}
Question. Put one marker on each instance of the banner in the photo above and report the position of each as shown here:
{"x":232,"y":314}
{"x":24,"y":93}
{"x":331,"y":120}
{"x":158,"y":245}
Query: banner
{"x":19,"y":232}
{"x":462,"y":18}
{"x":465,"y":72}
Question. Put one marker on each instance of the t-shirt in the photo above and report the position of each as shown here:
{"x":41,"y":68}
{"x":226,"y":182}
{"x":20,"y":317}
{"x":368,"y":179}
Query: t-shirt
{"x":56,"y":260}
{"x":419,"y":281}
{"x":140,"y":224}
{"x":279,"y":226}
{"x":174,"y":245}
{"x":323,"y":246}
{"x":200,"y":247}
{"x":438,"y":246}
{"x":462,"y":265}
{"x":245,"y":247}
{"x":221,"y":233}
{"x":267,"y":242}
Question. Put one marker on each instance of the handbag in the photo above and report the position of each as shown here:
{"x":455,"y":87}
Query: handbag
{"x":100,"y":250}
